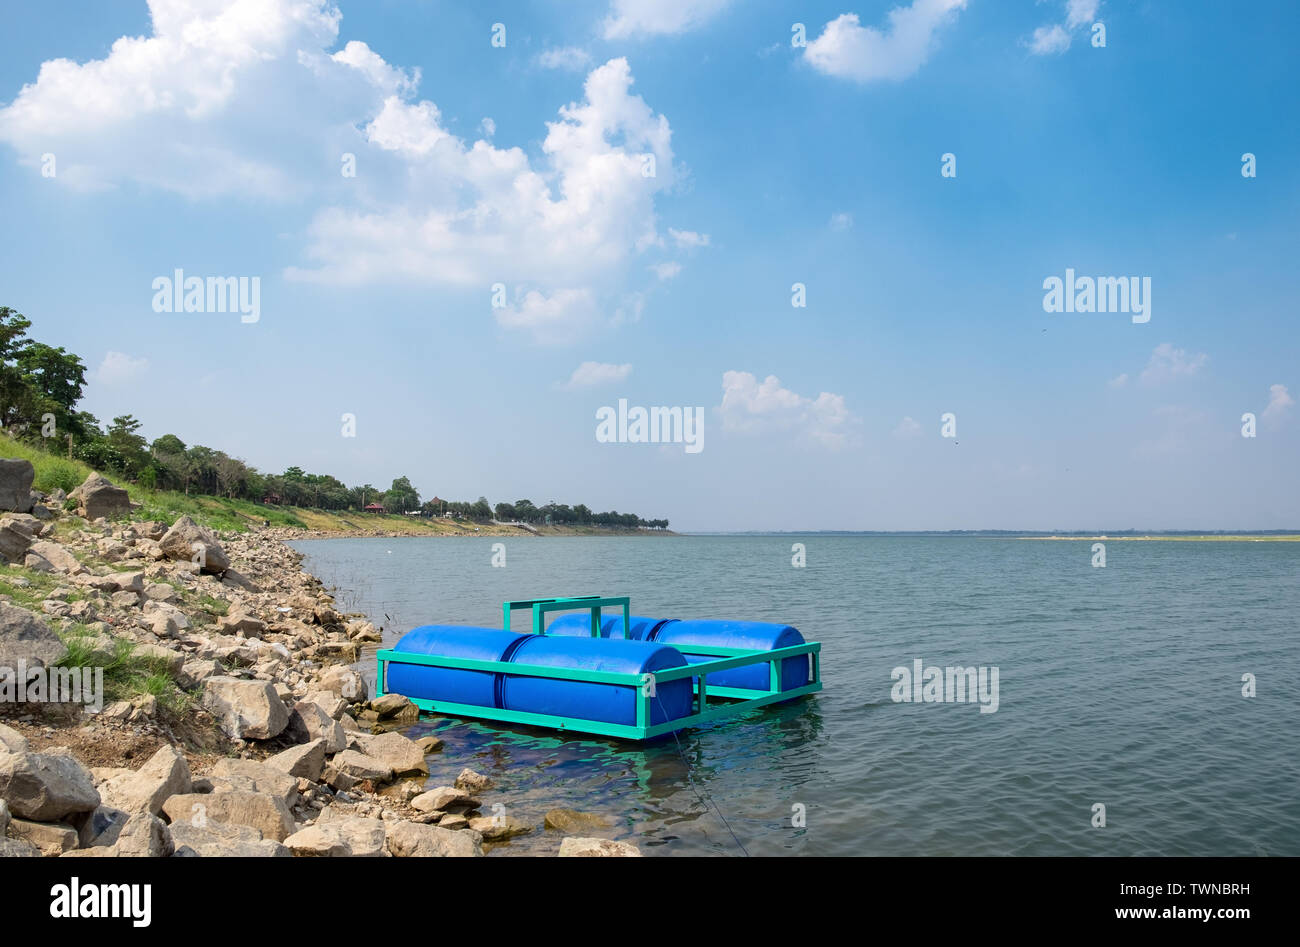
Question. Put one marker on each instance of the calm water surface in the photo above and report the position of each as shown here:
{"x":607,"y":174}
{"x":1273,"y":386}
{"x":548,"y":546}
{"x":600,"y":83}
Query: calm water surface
{"x":1120,"y":685}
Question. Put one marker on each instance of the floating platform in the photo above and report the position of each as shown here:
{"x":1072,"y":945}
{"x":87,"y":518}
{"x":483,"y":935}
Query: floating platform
{"x":620,"y":675}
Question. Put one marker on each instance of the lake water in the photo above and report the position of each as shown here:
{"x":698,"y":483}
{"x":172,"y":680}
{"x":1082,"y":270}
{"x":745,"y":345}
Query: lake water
{"x":1119,"y":685}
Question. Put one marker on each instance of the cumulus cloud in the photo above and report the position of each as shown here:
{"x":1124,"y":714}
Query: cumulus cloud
{"x":570,"y":58}
{"x":1053,"y":38}
{"x":1119,"y":381}
{"x":763,"y":407}
{"x":666,"y":271}
{"x":658,"y":17}
{"x":849,"y":50}
{"x":841,"y":221}
{"x":591,"y":374}
{"x":1168,"y":364}
{"x":1049,"y":39}
{"x":118,"y":368}
{"x":241,"y":98}
{"x":1279,"y":400}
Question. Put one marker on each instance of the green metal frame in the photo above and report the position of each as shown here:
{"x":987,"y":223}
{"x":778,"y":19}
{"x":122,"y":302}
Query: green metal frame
{"x":737,"y":700}
{"x":540,"y":606}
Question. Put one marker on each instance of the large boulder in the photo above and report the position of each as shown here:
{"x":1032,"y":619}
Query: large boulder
{"x":24,"y":637}
{"x":245,"y":709}
{"x":51,"y":557}
{"x":400,"y":754}
{"x":340,"y":838}
{"x":413,"y":840}
{"x":45,"y":787}
{"x":443,"y":798}
{"x":309,"y":721}
{"x":16,"y":478}
{"x":99,"y":496}
{"x":231,"y":774}
{"x":263,"y":811}
{"x":345,"y":682}
{"x":165,"y":775}
{"x":17,"y":536}
{"x":306,"y":761}
{"x":360,"y":766}
{"x":187,"y":539}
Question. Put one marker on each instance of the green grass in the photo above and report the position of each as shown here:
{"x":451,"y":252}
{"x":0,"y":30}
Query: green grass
{"x":126,"y":674}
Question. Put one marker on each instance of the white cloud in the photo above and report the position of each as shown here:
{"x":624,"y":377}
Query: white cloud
{"x":1279,"y":399}
{"x":907,"y":428}
{"x":841,"y":221}
{"x":557,"y":319}
{"x":1049,"y":39}
{"x":590,"y":374}
{"x":475,"y":215}
{"x":118,"y":368}
{"x":1079,"y":12}
{"x":242,"y":98}
{"x":688,"y":239}
{"x":666,"y":271}
{"x":1119,"y":381}
{"x":851,"y":51}
{"x":1168,"y":364}
{"x":658,"y":17}
{"x":208,"y":105}
{"x":571,"y":58}
{"x":1054,"y":38}
{"x":488,"y":127}
{"x":754,"y":407}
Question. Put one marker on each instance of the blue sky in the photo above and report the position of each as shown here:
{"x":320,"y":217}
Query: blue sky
{"x":211,"y":139}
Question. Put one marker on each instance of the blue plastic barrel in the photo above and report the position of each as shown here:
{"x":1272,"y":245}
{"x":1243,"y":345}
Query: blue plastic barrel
{"x":610,"y":703}
{"x":451,"y":684}
{"x":750,"y":635}
{"x":578,"y":625}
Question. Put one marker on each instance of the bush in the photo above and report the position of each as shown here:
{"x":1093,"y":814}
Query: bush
{"x":55,"y":474}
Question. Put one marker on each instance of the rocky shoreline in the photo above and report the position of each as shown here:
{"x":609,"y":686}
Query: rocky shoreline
{"x":257,"y":736}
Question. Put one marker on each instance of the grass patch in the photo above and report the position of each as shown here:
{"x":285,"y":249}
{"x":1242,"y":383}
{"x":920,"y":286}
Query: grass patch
{"x":127,"y":675}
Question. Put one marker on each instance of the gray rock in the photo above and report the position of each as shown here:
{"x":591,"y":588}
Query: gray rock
{"x":51,"y":557}
{"x":309,"y":721}
{"x":165,"y":775}
{"x":263,"y":811}
{"x":14,"y":848}
{"x":412,"y":840}
{"x":345,"y":682}
{"x":230,"y":774}
{"x":400,"y":754}
{"x":52,"y":838}
{"x":5,"y":817}
{"x":99,"y":496}
{"x":498,"y":828}
{"x":14,"y":540}
{"x":16,"y":478}
{"x":245,"y":709}
{"x":574,"y":847}
{"x":24,"y":637}
{"x":306,"y":761}
{"x":225,"y":841}
{"x":360,"y":766}
{"x":45,"y":787}
{"x":393,"y":705}
{"x":143,"y":836}
{"x":341,"y":838}
{"x":443,"y":798}
{"x":11,"y":741}
{"x":186,"y":539}
{"x":471,"y":781}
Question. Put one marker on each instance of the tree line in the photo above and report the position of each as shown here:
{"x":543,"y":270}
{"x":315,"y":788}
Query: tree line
{"x":40,"y":387}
